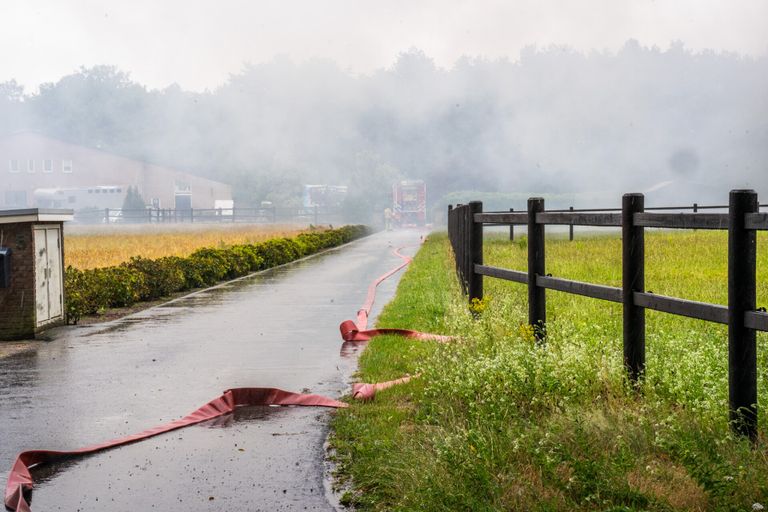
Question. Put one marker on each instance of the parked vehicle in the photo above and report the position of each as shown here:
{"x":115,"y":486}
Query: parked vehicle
{"x":409,"y":203}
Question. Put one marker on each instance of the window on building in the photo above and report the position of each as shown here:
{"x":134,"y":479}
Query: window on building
{"x":66,"y":166}
{"x":13,"y":166}
{"x":98,"y":191}
{"x":71,"y":199}
{"x":47,"y":165}
{"x":30,"y":166}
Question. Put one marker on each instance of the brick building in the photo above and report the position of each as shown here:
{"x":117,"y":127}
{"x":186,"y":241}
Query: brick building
{"x":31,"y":271}
{"x":39,"y":171}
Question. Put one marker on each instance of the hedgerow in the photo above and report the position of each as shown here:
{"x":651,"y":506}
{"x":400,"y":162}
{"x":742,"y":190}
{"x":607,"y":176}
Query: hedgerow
{"x":141,"y":279}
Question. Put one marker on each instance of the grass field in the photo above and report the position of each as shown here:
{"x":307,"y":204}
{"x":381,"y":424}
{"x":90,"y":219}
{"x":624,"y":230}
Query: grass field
{"x":101,"y":246}
{"x":496,"y":422}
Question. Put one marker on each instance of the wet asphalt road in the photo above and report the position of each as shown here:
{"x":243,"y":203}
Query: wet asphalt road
{"x":98,"y":382}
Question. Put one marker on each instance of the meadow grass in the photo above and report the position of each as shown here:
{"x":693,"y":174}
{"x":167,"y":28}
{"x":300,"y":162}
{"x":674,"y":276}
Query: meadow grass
{"x":496,"y":422}
{"x":89,"y":247}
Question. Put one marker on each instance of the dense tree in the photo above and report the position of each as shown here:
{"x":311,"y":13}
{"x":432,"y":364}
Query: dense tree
{"x":133,"y":200}
{"x":12,"y":109}
{"x":99,"y":107}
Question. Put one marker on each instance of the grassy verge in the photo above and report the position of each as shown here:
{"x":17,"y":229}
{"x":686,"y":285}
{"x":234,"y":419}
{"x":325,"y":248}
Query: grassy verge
{"x":498,"y":423}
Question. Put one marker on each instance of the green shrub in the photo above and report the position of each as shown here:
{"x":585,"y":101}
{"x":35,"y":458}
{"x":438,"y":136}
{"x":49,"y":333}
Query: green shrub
{"x":238,"y":260}
{"x":162,"y":276}
{"x":206,"y":267}
{"x":246,"y":258}
{"x":75,"y":299}
{"x":116,"y":287}
{"x":277,"y":252}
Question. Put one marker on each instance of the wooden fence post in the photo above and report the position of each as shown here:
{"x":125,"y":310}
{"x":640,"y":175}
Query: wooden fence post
{"x":451,"y":231}
{"x":457,"y":244}
{"x":463,"y":237}
{"x":511,"y":228}
{"x":475,"y":250}
{"x":465,"y":246}
{"x":742,"y":353}
{"x":537,"y":299}
{"x":570,"y":229}
{"x":633,"y":280}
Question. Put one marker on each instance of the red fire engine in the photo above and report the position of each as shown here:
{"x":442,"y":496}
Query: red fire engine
{"x":409,"y":202}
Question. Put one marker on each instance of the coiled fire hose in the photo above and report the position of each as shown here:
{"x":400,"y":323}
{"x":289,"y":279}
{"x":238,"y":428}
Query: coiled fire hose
{"x":355,"y":333}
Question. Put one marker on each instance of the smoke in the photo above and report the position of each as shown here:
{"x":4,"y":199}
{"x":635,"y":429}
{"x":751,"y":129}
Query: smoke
{"x":682,"y":126}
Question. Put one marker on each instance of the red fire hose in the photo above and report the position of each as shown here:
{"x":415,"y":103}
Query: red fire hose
{"x":20,"y":478}
{"x":355,"y":331}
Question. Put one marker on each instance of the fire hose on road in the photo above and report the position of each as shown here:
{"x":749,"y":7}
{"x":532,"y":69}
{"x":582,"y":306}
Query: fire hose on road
{"x":20,"y":480}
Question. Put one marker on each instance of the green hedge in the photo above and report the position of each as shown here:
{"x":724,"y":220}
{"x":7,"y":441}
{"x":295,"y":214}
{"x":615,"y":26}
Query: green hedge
{"x":141,"y":279}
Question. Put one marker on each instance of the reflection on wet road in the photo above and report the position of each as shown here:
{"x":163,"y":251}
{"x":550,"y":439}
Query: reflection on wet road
{"x":98,"y":382}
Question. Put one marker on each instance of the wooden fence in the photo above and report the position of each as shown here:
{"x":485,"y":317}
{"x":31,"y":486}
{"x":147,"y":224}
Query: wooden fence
{"x":310,"y":215}
{"x":743,"y":220}
{"x":696,"y":207}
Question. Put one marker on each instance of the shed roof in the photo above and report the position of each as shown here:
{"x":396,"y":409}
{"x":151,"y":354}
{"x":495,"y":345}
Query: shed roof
{"x":35,"y":215}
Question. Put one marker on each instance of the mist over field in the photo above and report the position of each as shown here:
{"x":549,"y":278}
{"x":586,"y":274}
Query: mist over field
{"x":581,"y":127}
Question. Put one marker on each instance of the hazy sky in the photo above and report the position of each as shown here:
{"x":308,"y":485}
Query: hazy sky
{"x":197,"y":43}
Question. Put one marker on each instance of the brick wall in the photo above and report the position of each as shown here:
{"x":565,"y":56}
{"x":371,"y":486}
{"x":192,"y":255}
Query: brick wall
{"x":17,"y":303}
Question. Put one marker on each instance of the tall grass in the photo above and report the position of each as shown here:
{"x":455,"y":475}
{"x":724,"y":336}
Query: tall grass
{"x":496,"y":422}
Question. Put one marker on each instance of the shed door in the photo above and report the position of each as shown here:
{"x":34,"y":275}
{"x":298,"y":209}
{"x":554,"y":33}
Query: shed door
{"x":48,"y":274}
{"x":41,"y":276}
{"x":55,"y":284}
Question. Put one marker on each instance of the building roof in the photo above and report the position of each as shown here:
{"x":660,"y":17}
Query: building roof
{"x":35,"y":215}
{"x":95,"y":151}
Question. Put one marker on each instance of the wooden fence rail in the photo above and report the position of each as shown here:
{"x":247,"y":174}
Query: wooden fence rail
{"x":743,"y":220}
{"x":594,"y":217}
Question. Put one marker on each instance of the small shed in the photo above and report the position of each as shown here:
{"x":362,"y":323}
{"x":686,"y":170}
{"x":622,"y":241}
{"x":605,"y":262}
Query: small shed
{"x":31,"y":271}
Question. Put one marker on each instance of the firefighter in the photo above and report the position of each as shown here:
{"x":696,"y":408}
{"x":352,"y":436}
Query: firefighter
{"x":397,"y":219}
{"x":388,"y":219}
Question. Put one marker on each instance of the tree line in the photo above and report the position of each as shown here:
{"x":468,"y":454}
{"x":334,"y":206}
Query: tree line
{"x":553,"y":121}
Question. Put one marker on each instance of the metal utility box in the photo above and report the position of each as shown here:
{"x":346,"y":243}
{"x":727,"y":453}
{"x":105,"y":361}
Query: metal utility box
{"x":31,"y":271}
{"x":5,"y":267}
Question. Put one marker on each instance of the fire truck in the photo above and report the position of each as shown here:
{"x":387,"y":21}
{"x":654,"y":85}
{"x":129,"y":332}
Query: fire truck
{"x":409,"y":202}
